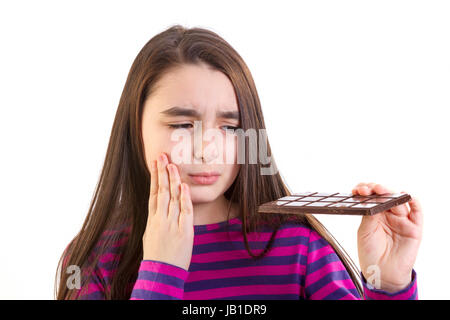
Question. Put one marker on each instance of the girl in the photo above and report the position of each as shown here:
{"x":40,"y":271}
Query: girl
{"x":164,"y":229}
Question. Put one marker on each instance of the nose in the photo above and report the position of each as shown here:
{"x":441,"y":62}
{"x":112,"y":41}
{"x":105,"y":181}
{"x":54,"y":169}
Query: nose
{"x":206,"y":145}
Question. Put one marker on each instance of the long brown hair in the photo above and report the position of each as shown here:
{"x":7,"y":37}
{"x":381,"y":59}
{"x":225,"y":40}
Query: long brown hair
{"x":121,"y":195}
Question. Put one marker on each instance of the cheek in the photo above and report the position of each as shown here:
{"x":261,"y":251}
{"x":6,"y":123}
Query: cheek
{"x":156,"y":141}
{"x":230,"y":150}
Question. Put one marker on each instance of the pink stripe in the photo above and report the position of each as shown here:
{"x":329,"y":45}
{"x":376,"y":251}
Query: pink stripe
{"x":314,"y":236}
{"x":230,"y":222}
{"x":322,"y":272}
{"x":319,"y":253}
{"x":115,"y":244}
{"x":242,"y":254}
{"x":154,"y":266}
{"x":153,"y":286}
{"x":331,"y":287}
{"x":379,"y":296}
{"x":109,"y":257}
{"x":106,"y":272}
{"x":243,"y":290}
{"x":92,"y":288}
{"x":253,"y":236}
{"x":246,"y":272}
{"x":349,"y":297}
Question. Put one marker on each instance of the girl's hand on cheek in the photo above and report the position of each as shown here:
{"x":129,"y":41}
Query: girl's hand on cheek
{"x":169,"y":233}
{"x":389,"y":240}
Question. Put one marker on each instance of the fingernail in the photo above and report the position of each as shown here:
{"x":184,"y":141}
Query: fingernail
{"x":161,"y":157}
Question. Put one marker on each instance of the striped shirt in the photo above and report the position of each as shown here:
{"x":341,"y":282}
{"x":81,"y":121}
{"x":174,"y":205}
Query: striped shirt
{"x":299,"y":265}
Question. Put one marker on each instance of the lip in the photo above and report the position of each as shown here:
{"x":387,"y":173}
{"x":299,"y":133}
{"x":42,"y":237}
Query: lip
{"x":205,"y":178}
{"x":205,"y":174}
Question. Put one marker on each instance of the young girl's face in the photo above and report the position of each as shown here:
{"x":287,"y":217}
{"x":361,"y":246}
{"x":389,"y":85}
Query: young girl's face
{"x":200,"y":94}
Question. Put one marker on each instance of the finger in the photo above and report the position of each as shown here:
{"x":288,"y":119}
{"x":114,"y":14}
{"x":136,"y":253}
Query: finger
{"x":163,"y":186}
{"x":186,"y":220}
{"x":379,"y":189}
{"x":400,"y":210}
{"x":416,"y":213}
{"x":153,"y":197}
{"x":364,"y":190}
{"x":367,"y":189}
{"x":174,"y":204}
{"x":355,"y":189}
{"x":371,"y":185}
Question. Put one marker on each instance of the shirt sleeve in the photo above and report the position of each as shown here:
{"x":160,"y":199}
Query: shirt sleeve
{"x":159,"y":281}
{"x":156,"y":281}
{"x":326,"y":277}
{"x":409,"y":293}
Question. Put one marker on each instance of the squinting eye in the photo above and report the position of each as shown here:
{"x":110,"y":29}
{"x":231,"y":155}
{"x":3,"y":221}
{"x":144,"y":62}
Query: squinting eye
{"x":189,"y":125}
{"x":232,"y":128}
{"x":178,"y":126}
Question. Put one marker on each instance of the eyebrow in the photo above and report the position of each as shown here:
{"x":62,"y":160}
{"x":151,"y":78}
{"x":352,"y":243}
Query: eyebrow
{"x":186,"y":112}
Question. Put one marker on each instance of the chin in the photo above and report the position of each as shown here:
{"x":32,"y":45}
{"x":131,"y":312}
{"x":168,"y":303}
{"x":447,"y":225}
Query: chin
{"x":200,"y":196}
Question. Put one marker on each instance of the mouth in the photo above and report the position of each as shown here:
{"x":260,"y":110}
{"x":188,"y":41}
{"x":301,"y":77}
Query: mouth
{"x":204,"y":178}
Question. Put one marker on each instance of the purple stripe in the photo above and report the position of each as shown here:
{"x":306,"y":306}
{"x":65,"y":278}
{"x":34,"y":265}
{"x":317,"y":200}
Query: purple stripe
{"x":243,"y":281}
{"x":319,"y":264}
{"x":237,"y":263}
{"x":161,"y":278}
{"x":326,"y":279}
{"x":139,"y":294}
{"x":163,"y":268}
{"x":343,"y":293}
{"x":153,"y":286}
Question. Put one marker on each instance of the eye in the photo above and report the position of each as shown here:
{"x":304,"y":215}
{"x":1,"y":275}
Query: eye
{"x":231,"y":127}
{"x":181,"y":125}
{"x":189,"y":125}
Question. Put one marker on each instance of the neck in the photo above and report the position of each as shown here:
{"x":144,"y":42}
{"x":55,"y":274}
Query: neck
{"x":214,"y":211}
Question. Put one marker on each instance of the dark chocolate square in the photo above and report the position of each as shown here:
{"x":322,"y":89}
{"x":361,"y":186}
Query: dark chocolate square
{"x":311,"y":198}
{"x":342,"y":204}
{"x":378,"y":200}
{"x":343,"y":194}
{"x":364,"y":205}
{"x":319,"y":204}
{"x":332,"y":199}
{"x":324,"y":194}
{"x":289,"y":198}
{"x":296,"y":204}
{"x":356,"y":199}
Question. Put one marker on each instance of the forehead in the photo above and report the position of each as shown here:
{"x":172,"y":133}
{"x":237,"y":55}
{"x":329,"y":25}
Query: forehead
{"x":194,"y":86}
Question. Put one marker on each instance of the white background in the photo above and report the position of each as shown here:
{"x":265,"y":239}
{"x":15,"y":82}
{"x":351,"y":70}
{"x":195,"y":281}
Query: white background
{"x":352,"y":91}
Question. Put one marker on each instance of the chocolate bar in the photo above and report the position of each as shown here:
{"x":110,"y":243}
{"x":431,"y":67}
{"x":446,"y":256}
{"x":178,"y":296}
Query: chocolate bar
{"x":334,"y":203}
